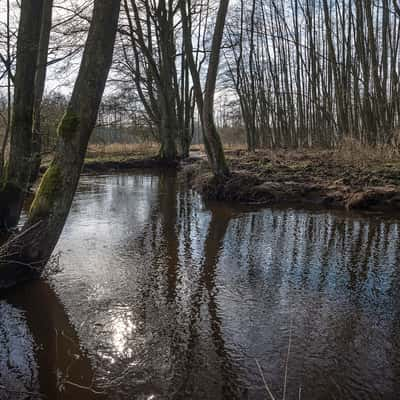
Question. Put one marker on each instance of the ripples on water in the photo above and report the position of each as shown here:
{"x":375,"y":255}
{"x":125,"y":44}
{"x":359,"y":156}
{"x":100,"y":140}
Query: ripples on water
{"x":162,"y":296}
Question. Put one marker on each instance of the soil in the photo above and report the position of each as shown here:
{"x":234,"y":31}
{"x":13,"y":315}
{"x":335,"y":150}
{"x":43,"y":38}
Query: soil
{"x":322,"y":178}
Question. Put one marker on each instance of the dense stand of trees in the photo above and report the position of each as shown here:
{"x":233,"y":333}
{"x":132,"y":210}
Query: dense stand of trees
{"x":157,"y":57}
{"x":314,"y":72}
{"x":149,"y":48}
{"x":302,"y":73}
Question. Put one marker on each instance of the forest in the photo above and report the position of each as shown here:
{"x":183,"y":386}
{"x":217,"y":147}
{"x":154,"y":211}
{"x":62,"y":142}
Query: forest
{"x":199,"y":199}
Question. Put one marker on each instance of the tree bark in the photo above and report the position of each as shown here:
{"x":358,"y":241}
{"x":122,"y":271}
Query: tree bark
{"x":212,"y":140}
{"x":40,"y":80}
{"x":205,"y":103}
{"x":8,"y":124}
{"x":17,"y":172}
{"x":53,"y":199}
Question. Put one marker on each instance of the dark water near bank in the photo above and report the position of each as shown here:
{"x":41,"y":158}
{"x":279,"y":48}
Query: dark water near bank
{"x":164,"y":297}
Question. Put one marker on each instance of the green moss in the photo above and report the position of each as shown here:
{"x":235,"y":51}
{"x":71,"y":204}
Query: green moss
{"x":47,"y":192}
{"x":68,"y":125}
{"x":299,"y":165}
{"x":3,"y":178}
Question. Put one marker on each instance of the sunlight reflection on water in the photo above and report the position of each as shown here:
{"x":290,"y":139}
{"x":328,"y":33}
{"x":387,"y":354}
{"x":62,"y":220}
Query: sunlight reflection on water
{"x":174,"y":298}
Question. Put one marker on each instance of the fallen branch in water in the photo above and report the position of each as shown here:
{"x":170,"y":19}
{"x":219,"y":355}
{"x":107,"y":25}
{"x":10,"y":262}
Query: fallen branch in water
{"x":265,"y":382}
{"x":267,"y":388}
{"x":63,"y":378}
{"x":87,"y":388}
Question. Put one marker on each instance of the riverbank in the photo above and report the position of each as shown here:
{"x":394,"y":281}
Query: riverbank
{"x":120,"y":158}
{"x":322,"y":178}
{"x":359,"y":179}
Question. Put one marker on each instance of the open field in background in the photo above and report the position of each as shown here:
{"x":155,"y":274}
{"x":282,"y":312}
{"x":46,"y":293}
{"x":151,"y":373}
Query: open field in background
{"x":347,"y":152}
{"x":122,"y":150}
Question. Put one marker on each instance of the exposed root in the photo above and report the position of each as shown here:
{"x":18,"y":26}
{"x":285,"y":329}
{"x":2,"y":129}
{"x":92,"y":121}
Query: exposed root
{"x":15,"y":264}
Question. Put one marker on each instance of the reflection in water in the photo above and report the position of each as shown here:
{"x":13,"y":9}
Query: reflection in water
{"x":40,"y":353}
{"x":18,"y":368}
{"x":175,"y":299}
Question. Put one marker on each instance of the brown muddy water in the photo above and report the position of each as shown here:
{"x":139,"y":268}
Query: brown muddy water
{"x":164,"y":297}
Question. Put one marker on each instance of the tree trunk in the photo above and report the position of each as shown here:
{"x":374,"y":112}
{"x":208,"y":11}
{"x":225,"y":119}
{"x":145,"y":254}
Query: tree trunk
{"x":17,"y":173}
{"x":212,"y":141}
{"x":205,"y":103}
{"x":8,"y":124}
{"x":168,"y":130}
{"x":54,"y":197}
{"x":40,"y":81}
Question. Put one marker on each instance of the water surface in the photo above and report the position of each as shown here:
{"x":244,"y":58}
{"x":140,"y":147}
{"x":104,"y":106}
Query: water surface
{"x":164,"y":297}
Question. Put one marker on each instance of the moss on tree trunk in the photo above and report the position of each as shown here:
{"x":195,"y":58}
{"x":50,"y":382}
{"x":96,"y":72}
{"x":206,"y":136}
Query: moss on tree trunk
{"x":54,"y":197}
{"x":17,"y":175}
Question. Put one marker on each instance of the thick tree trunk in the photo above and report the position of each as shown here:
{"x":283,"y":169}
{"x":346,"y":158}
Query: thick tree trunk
{"x":17,"y":173}
{"x":54,"y":197}
{"x":167,"y":98}
{"x":168,"y":131}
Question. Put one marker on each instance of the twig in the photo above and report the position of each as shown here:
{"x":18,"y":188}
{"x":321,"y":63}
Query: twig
{"x":287,"y":359}
{"x":23,"y":233}
{"x":90,"y":389}
{"x":265,"y":382}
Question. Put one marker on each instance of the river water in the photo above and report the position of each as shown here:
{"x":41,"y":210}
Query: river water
{"x":162,"y":296}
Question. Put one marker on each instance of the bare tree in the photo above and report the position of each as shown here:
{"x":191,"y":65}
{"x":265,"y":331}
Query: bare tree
{"x":205,"y":102}
{"x":40,"y":80}
{"x":53,"y":199}
{"x":17,"y":174}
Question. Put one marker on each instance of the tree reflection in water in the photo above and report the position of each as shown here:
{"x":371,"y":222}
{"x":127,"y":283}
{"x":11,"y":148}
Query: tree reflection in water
{"x":173,"y":298}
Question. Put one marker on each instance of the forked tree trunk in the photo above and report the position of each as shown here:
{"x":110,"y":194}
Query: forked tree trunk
{"x":212,"y":140}
{"x":54,"y":197}
{"x":17,"y":171}
{"x":205,"y":103}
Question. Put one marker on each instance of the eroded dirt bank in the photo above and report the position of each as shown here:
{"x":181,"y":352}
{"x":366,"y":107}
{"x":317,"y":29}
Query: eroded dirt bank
{"x":322,"y":178}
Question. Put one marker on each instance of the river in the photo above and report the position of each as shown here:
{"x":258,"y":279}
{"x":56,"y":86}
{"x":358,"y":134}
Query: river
{"x":163,"y":296}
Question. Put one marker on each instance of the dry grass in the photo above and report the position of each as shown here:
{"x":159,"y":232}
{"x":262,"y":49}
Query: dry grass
{"x":227,"y":147}
{"x":362,"y":155}
{"x":349,"y":153}
{"x":122,"y":150}
{"x":140,"y":150}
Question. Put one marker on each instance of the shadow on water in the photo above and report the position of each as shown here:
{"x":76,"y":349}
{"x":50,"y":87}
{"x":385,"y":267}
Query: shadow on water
{"x":172,"y":298}
{"x":41,"y":356}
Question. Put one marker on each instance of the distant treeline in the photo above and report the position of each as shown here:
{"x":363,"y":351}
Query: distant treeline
{"x":312,"y":72}
{"x":294,"y":73}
